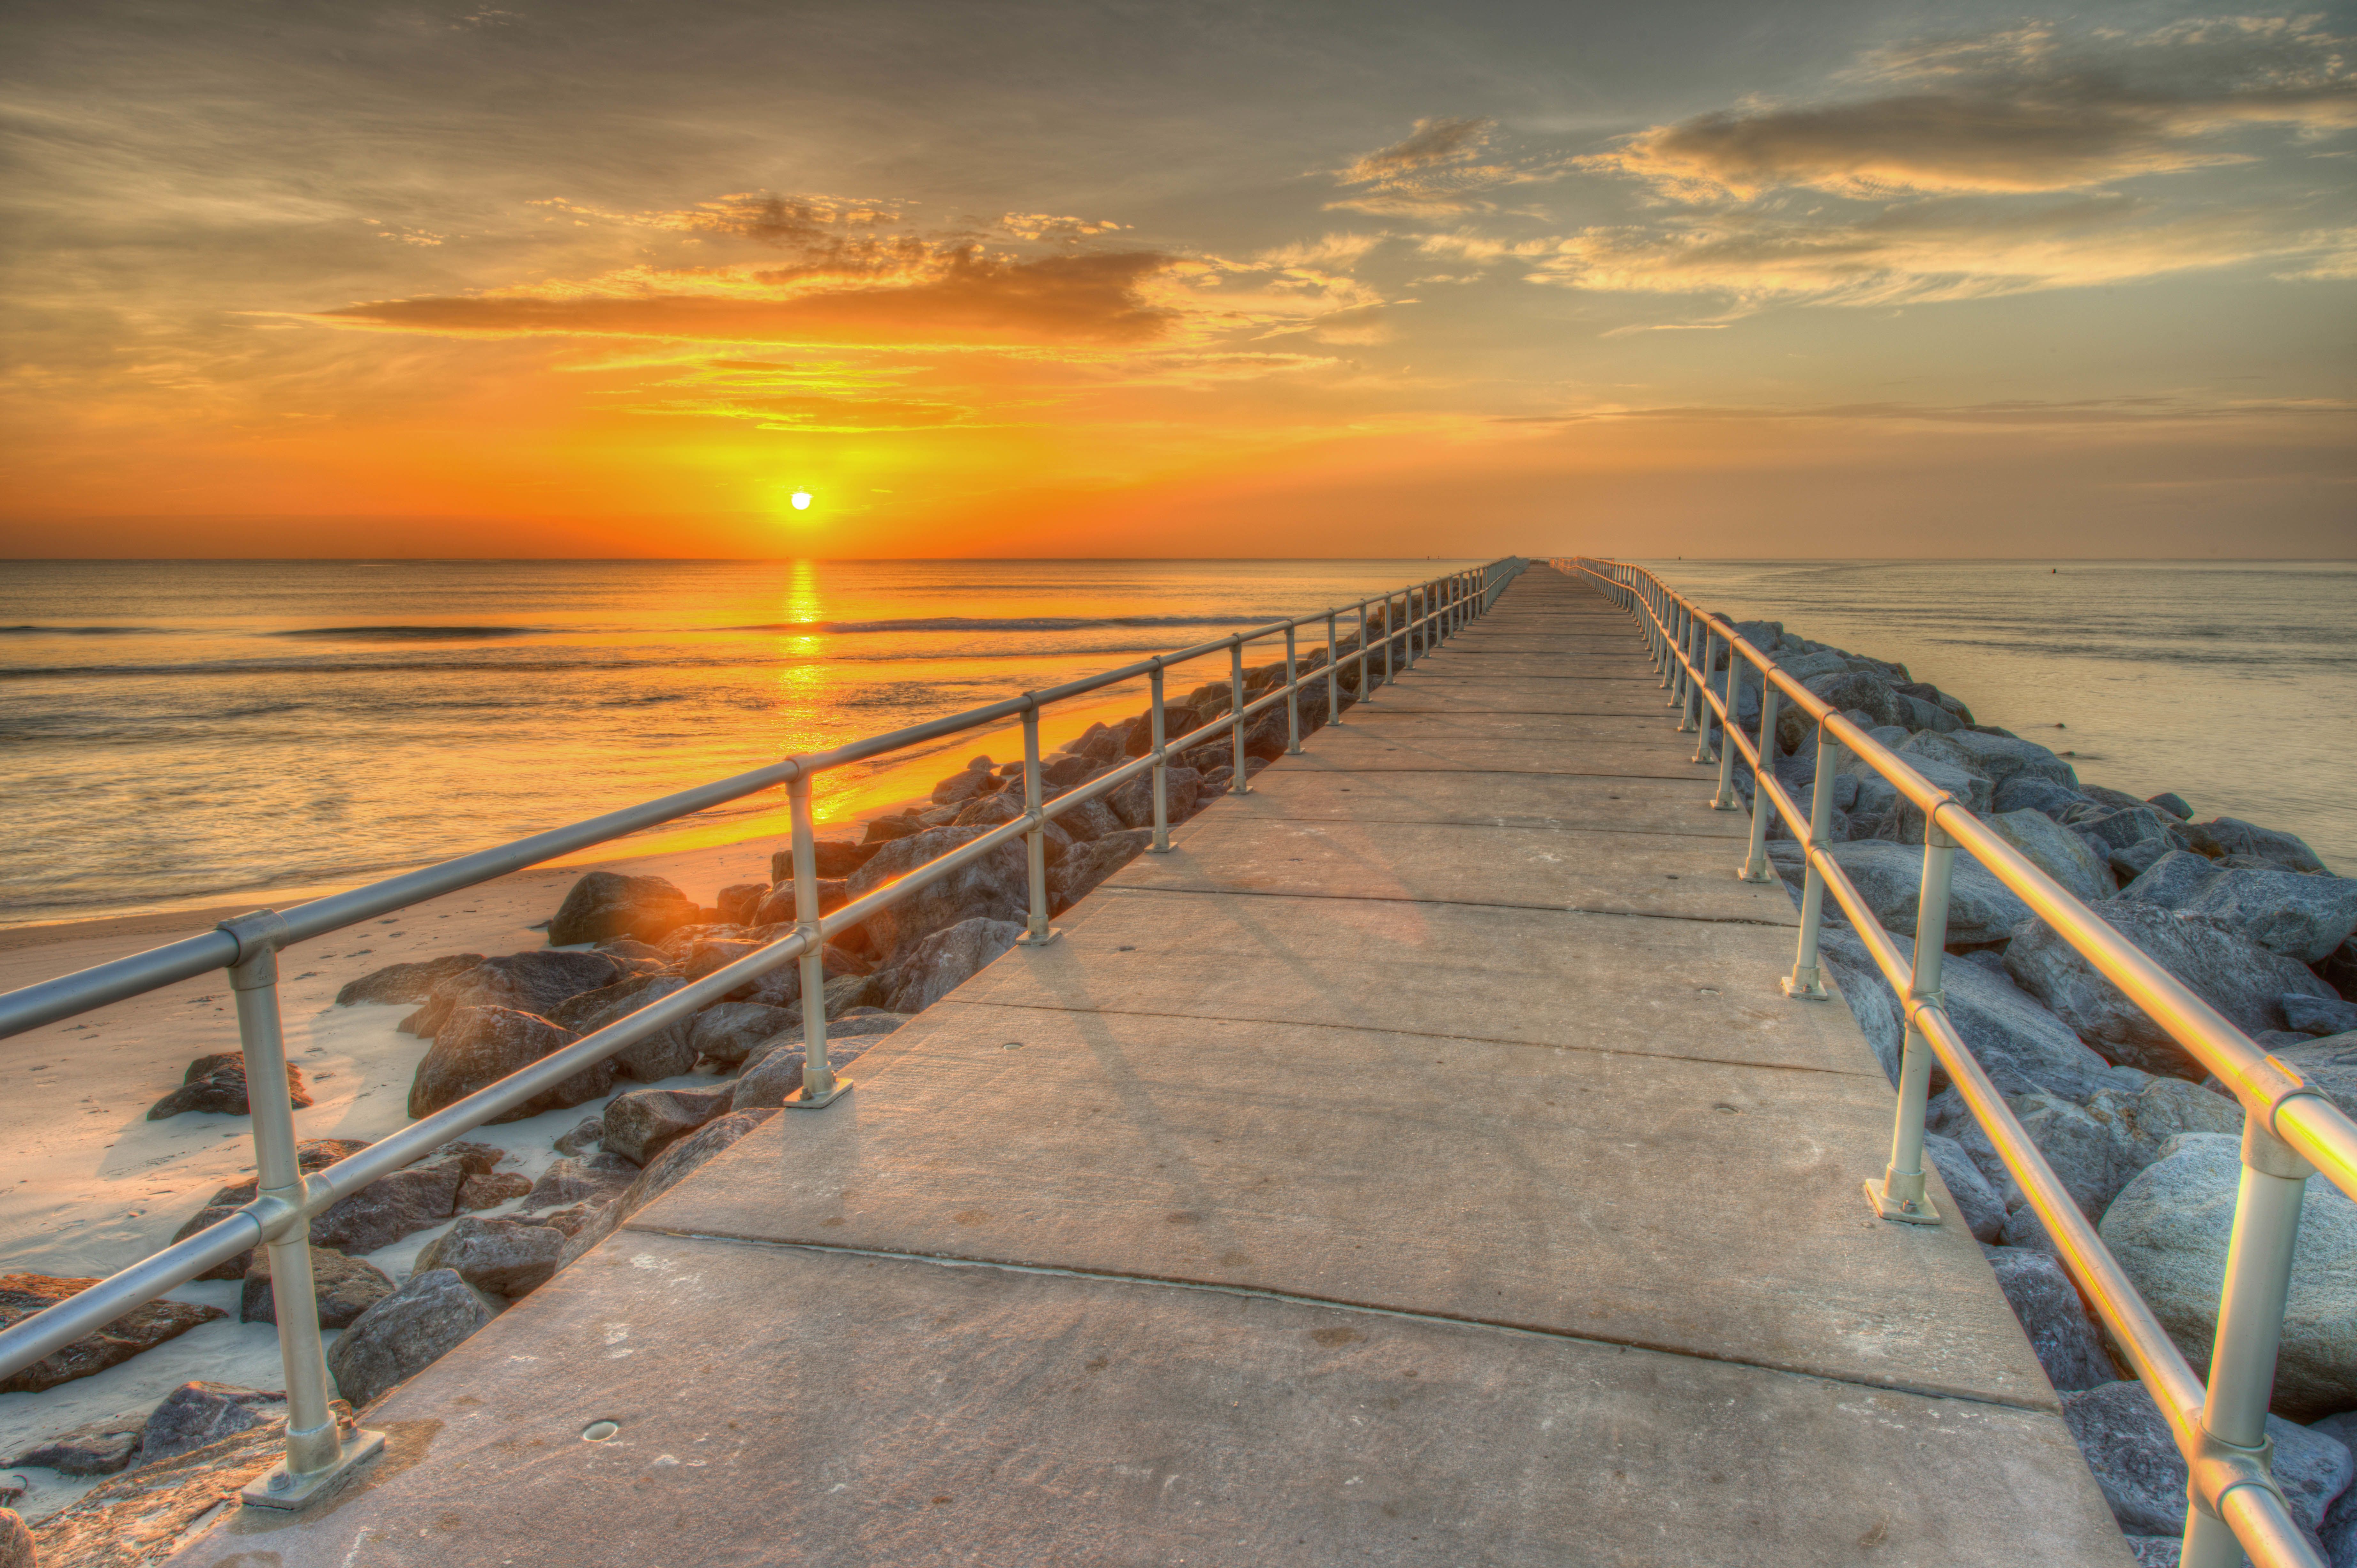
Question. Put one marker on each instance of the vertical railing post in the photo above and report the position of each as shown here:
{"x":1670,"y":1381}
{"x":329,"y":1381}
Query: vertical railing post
{"x":316,"y":1451}
{"x":1807,"y":983}
{"x":1725,"y":801}
{"x":1036,"y":932}
{"x":1366,"y":657}
{"x":820,"y":1086}
{"x":1237,"y":785}
{"x":1292,"y":697}
{"x":1703,"y":750}
{"x":1900,"y":1194}
{"x":2250,"y":1325}
{"x":1389,"y":674}
{"x":1161,"y":765}
{"x":1755,"y":862}
{"x":1333,"y":675}
{"x":1682,"y":676}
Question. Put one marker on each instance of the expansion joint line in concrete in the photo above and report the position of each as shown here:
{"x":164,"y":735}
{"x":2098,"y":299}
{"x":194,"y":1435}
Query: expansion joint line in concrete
{"x":1465,"y":904}
{"x":1333,"y":1304}
{"x":1546,"y":825}
{"x":1404,"y":1033}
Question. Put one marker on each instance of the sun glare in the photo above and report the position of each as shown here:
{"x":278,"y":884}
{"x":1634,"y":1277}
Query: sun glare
{"x":801,"y":501}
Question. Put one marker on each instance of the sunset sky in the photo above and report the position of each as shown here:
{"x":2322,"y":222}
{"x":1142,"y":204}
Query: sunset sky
{"x":1178,"y":279}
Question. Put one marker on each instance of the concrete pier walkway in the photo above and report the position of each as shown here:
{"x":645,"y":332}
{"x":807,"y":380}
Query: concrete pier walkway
{"x":1417,"y":1165}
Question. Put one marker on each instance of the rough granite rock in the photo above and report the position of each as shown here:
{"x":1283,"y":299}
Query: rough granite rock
{"x":643,"y":1123}
{"x":2240,"y":979}
{"x":738,"y":901}
{"x":995,"y":886}
{"x":587,"y":1134}
{"x":778,"y":1075}
{"x":345,"y":1287}
{"x":480,"y":1046}
{"x":2028,"y":792}
{"x":994,"y":810}
{"x":2018,"y":1043}
{"x":946,"y":960}
{"x":1978,"y":1203}
{"x":1981,"y":910}
{"x":217,"y":1084}
{"x":1086,"y":868}
{"x":196,"y":1415}
{"x":478,"y":1192}
{"x":607,"y":903}
{"x":782,"y":986}
{"x":2097,"y":1149}
{"x":666,"y":1053}
{"x":728,"y":1031}
{"x":141,"y":1328}
{"x":1090,"y":821}
{"x":2302,"y":916}
{"x":312,"y":1154}
{"x":836,"y":859}
{"x":17,"y":1548}
{"x":2318,"y":1015}
{"x":2231,"y":836}
{"x":596,"y":1179}
{"x":406,"y":1332}
{"x":2064,"y":1336}
{"x":2054,"y":850}
{"x":2338,"y":1531}
{"x":508,"y":1258}
{"x":409,"y":983}
{"x":1132,"y":803}
{"x":2169,"y":1227}
{"x":534,"y":983}
{"x":676,"y":1164}
{"x":2126,"y":1442}
{"x":1855,"y":690}
{"x":97,"y":1448}
{"x":389,"y":1207}
{"x":2001,"y":758}
{"x":854,"y":1025}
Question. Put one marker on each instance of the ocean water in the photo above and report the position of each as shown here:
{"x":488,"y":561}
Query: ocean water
{"x":2234,"y":683}
{"x":183,"y":731}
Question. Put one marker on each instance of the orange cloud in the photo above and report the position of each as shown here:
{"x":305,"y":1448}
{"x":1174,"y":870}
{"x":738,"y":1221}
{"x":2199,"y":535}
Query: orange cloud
{"x":972,"y":300}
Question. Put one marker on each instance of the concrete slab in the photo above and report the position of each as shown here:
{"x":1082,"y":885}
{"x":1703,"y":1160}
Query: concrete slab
{"x":1450,"y":971}
{"x":1500,"y":800}
{"x":1362,"y":748}
{"x":1435,"y":719}
{"x":1525,"y":868}
{"x":1574,"y":1191}
{"x":1110,"y":1422}
{"x":1423,"y":694}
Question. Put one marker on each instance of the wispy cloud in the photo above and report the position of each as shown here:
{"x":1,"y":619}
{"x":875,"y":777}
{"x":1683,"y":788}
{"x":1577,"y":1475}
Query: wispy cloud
{"x":1438,"y":171}
{"x":2029,"y":109}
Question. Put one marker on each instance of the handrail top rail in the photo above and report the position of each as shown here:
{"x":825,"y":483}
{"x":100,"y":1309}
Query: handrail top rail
{"x":2267,"y":1088}
{"x":45,"y":1001}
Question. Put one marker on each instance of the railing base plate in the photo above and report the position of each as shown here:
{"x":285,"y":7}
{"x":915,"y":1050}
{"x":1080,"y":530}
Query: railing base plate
{"x":279,"y":1488}
{"x":1027,"y":940}
{"x":1744,"y":873}
{"x":1814,"y":990}
{"x":797,"y":1102}
{"x":1906,"y":1214}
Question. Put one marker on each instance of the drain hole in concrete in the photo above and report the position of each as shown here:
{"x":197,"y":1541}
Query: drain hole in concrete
{"x":599,"y":1431}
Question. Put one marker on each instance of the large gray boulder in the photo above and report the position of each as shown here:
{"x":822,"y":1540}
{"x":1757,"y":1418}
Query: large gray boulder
{"x":2302,"y":916}
{"x":997,"y":886}
{"x":1855,"y":690}
{"x":2170,"y":1228}
{"x":1086,"y":868}
{"x":1889,"y":876}
{"x":216,"y":1083}
{"x":643,"y":1123}
{"x":1089,"y":820}
{"x":409,"y":983}
{"x":2319,"y":1015}
{"x":2064,"y":1336}
{"x":434,"y":1311}
{"x":389,"y":1207}
{"x":945,"y":961}
{"x":2231,"y":836}
{"x":607,"y":904}
{"x":507,"y":1258}
{"x":1979,"y":1204}
{"x":344,"y":1287}
{"x":593,"y":1179}
{"x":2337,"y":1533}
{"x":728,"y":1031}
{"x":534,"y":983}
{"x":2227,"y":970}
{"x":676,"y":1164}
{"x":1132,"y":803}
{"x":2001,"y":758}
{"x":2054,"y":850}
{"x":667,"y":1053}
{"x":480,"y":1046}
{"x":2134,"y":1459}
{"x":2019,"y":1044}
{"x":100,"y":1447}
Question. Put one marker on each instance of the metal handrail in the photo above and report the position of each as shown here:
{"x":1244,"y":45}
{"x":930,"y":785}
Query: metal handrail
{"x":318,"y":1453}
{"x":2290,"y":1129}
